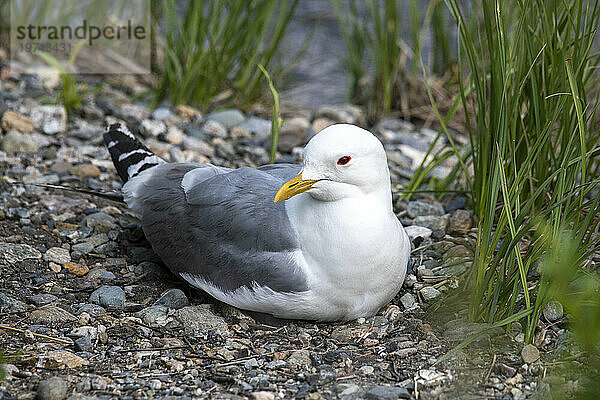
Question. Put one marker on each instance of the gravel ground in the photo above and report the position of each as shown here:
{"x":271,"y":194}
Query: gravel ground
{"x":88,"y":311}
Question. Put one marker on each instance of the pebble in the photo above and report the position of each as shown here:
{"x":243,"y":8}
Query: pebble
{"x":256,"y":126}
{"x":227,"y":118}
{"x":200,"y":317}
{"x":152,"y":128}
{"x":175,"y":135}
{"x":76,"y":268}
{"x":15,"y":252}
{"x":54,"y":388}
{"x":300,"y":357}
{"x":49,"y":119}
{"x":408,"y":300}
{"x":108,"y":296}
{"x":57,"y":255}
{"x":161,"y":113}
{"x":42,"y":299}
{"x":429,"y":293}
{"x":321,"y":123}
{"x":16,"y":142}
{"x":186,"y":112}
{"x":415,"y":231}
{"x":91,"y":309}
{"x":420,"y":208}
{"x":342,"y":113}
{"x":154,"y":316}
{"x":101,"y":221}
{"x":460,"y":222}
{"x":18,"y":122}
{"x":293,"y":134}
{"x":553,"y":311}
{"x":51,"y":316}
{"x":84,"y":169}
{"x":432,"y":222}
{"x":173,"y":298}
{"x":263,"y":396}
{"x":530,"y":354}
{"x":382,"y":392}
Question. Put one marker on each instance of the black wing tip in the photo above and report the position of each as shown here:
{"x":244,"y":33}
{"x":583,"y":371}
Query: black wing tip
{"x":119,"y":140}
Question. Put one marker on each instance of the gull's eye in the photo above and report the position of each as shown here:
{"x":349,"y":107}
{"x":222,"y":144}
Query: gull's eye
{"x":343,"y":160}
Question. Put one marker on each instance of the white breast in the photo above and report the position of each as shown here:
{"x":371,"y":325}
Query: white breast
{"x":356,"y":253}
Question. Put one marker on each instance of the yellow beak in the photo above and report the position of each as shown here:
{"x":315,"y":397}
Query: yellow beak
{"x":293,"y":187}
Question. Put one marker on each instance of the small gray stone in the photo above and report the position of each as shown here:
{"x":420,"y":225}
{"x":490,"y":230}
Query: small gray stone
{"x":54,"y":388}
{"x":200,"y":317}
{"x":553,"y":311}
{"x":173,"y":298}
{"x":415,"y":231}
{"x":300,"y":357}
{"x":108,"y":296}
{"x":152,"y":128}
{"x":49,"y":119}
{"x":530,"y":354}
{"x":15,"y":252}
{"x":257,"y":126}
{"x":16,"y":142}
{"x":419,"y":208}
{"x":57,"y":255}
{"x":293,"y":134}
{"x":432,"y":222}
{"x":251,"y":363}
{"x":408,"y":301}
{"x":92,"y":309}
{"x":154,"y":316}
{"x":161,"y":113}
{"x":51,"y":315}
{"x":83,"y":248}
{"x":429,"y":293}
{"x":100,"y":221}
{"x":42,"y":299}
{"x":342,"y":113}
{"x":5,"y":303}
{"x":214,"y":129}
{"x":380,"y":392}
{"x":228,"y":118}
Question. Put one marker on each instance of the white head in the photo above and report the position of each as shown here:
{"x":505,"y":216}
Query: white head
{"x":341,"y":161}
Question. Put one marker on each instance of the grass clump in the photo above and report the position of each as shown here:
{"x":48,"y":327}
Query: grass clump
{"x":381,"y":66}
{"x":531,"y":76}
{"x":212,"y":51}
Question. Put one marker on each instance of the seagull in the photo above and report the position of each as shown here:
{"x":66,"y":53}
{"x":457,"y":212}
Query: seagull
{"x":317,"y":242}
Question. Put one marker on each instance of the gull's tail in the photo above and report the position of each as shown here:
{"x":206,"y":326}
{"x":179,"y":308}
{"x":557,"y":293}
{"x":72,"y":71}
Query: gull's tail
{"x":129,"y":155}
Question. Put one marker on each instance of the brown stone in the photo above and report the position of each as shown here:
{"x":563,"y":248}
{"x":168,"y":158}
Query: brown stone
{"x":76,"y":269}
{"x":83,"y":170}
{"x":15,"y":121}
{"x":187,"y":112}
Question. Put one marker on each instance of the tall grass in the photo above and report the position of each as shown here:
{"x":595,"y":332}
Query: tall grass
{"x":380,"y":64}
{"x":532,"y":78}
{"x":214,"y":48}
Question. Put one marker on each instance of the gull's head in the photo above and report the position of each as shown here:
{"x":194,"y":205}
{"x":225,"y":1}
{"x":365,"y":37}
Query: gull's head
{"x":340,"y":161}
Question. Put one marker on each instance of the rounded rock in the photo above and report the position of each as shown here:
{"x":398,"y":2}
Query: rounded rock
{"x":54,"y":388}
{"x":530,"y":354}
{"x":173,"y":298}
{"x":553,"y":311}
{"x":57,"y":255}
{"x":107,"y":296}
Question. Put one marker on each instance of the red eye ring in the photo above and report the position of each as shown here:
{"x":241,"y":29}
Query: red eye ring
{"x":343,"y":160}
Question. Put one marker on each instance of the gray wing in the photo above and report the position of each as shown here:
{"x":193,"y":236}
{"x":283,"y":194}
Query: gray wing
{"x":220,"y":224}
